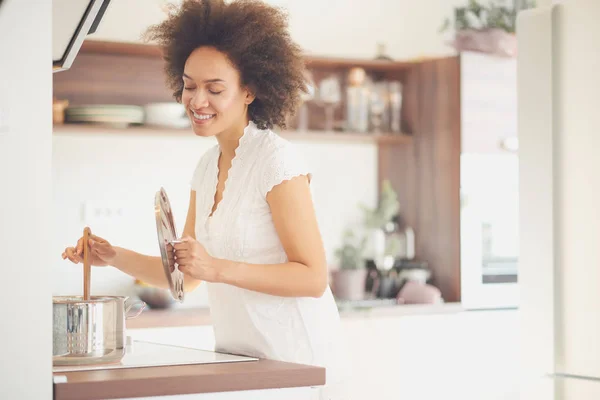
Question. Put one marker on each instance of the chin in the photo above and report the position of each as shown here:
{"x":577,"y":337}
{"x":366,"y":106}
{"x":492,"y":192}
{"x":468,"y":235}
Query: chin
{"x":207,"y":130}
{"x":203,"y":132}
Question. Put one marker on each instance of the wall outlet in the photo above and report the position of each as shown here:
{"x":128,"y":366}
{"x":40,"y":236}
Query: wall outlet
{"x":99,"y":212}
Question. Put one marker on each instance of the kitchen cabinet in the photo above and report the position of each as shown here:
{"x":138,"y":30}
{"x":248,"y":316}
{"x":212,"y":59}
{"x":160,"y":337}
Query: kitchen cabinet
{"x":396,"y":356}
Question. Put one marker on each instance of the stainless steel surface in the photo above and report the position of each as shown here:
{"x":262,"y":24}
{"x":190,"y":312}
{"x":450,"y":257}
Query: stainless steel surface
{"x":90,"y":332}
{"x":147,"y":354}
{"x":73,"y":22}
{"x":167,"y":237}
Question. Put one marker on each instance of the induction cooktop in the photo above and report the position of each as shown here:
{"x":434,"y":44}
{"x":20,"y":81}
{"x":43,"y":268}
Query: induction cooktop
{"x":148,"y":354}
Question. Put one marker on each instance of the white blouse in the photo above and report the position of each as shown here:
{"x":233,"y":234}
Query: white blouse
{"x":294,"y":329}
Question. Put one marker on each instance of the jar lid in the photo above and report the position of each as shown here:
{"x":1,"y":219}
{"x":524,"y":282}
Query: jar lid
{"x":167,"y":237}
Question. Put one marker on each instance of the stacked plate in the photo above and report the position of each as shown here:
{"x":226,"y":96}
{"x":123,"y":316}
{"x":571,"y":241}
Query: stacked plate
{"x":111,"y":114}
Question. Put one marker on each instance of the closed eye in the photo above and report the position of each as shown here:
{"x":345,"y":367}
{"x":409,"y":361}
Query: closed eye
{"x":215,"y":92}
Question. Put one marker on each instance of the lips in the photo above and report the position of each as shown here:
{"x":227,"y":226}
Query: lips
{"x":202,"y":118}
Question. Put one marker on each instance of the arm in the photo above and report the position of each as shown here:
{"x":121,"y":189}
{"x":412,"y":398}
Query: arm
{"x":150,"y":269}
{"x":304,"y":275}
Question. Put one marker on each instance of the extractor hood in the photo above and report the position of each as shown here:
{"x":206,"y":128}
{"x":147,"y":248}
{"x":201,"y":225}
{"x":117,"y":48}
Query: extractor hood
{"x":72,"y":21}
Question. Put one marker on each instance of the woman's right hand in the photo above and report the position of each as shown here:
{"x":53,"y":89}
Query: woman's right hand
{"x":101,"y":254}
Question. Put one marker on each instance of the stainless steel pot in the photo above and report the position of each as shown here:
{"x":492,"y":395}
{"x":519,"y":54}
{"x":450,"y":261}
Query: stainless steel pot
{"x":90,"y":332}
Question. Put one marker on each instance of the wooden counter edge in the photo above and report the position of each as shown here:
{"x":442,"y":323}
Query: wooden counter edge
{"x":186,"y":317}
{"x":186,"y":379}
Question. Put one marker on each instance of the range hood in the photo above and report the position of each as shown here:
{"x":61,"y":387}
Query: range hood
{"x":72,"y":21}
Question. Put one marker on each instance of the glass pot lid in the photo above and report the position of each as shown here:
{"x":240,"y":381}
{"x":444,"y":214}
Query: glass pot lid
{"x":167,"y":237}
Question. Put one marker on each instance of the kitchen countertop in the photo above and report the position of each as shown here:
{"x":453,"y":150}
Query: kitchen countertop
{"x":184,"y":379}
{"x":200,"y":316}
{"x":559,"y":387}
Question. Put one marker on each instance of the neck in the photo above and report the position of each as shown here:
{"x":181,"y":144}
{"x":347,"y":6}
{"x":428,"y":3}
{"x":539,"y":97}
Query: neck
{"x":229,"y":140}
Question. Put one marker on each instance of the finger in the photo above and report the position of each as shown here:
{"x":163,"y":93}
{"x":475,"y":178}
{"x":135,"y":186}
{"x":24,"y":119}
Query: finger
{"x":98,"y":239}
{"x":100,"y":247}
{"x":70,"y":253}
{"x":95,"y":254}
{"x":181,"y":246}
{"x":183,"y":260}
{"x":91,"y":244}
{"x":80,"y":246}
{"x":182,"y":253}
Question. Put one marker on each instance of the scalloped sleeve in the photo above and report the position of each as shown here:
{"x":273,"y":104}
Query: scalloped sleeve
{"x":282,"y":164}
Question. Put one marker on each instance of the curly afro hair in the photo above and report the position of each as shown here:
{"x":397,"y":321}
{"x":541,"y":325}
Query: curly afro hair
{"x":255,"y":38}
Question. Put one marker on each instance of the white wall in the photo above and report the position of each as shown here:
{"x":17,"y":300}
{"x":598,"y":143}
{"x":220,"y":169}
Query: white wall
{"x":125,"y":171}
{"x":25,"y":145}
{"x":348,"y":28}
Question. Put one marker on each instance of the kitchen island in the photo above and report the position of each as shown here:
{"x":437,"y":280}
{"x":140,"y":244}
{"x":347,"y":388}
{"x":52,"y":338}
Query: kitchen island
{"x":262,"y":379}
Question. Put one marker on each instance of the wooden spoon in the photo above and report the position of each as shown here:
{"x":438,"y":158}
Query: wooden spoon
{"x":87,"y":270}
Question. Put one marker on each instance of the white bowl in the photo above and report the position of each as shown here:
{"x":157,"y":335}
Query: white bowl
{"x":170,"y":115}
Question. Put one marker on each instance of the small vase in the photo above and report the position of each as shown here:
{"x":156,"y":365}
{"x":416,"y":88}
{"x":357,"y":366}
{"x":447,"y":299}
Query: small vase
{"x":349,"y":284}
{"x":493,"y":41}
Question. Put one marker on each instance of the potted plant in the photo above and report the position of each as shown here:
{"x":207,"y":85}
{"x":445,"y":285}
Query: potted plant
{"x":487,"y":27}
{"x":377,"y":219}
{"x":348,"y":281}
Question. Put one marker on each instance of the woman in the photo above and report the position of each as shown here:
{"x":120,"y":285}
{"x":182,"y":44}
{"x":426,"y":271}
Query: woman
{"x":251,"y":233}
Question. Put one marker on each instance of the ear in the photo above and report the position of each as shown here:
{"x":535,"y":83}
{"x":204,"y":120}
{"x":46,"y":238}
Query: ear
{"x":250,"y":96}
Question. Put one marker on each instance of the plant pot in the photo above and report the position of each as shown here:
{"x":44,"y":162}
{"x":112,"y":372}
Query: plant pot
{"x":349,"y":284}
{"x":490,"y":41}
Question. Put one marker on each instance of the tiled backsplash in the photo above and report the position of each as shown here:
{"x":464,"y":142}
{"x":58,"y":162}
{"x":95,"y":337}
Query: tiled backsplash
{"x":123,"y":172}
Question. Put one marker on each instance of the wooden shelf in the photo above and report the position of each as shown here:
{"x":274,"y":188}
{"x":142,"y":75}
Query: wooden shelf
{"x":312,"y":61}
{"x":347,"y":63}
{"x":120,"y":48}
{"x":312,"y":136}
{"x":348,"y":137}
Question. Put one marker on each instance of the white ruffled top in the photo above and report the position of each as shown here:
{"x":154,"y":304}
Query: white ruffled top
{"x":293,"y":329}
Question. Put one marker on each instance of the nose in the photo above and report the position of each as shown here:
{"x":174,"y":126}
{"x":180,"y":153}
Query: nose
{"x":199,"y":100}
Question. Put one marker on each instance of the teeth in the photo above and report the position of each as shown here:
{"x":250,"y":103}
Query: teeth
{"x":202,"y":116}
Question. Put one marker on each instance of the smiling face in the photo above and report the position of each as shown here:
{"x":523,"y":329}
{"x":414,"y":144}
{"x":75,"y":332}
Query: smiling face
{"x":213,"y":96}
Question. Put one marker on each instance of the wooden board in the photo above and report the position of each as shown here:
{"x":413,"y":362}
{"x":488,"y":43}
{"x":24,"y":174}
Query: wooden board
{"x":426,"y":175}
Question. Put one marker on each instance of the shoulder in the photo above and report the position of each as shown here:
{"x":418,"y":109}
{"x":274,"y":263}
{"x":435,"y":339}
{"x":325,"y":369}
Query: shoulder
{"x":280,"y":160}
{"x":275,"y":147}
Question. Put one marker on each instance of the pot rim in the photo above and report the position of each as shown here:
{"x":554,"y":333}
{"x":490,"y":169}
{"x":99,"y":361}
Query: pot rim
{"x":76,"y":299}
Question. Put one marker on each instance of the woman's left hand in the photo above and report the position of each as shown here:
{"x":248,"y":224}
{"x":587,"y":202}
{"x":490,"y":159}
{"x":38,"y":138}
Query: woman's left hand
{"x":193,"y":260}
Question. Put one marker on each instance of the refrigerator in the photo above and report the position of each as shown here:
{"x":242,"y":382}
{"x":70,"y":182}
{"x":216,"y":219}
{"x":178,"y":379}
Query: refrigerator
{"x":558,"y":79}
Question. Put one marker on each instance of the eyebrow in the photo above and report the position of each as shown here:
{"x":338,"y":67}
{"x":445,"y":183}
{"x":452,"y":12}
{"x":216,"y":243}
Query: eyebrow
{"x":206,"y":81}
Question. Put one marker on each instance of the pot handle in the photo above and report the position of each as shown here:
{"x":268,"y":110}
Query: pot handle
{"x":135,"y":314}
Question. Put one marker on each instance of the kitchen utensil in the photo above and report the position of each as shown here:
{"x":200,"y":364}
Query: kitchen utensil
{"x":90,"y":331}
{"x":167,"y":237}
{"x":87,"y":270}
